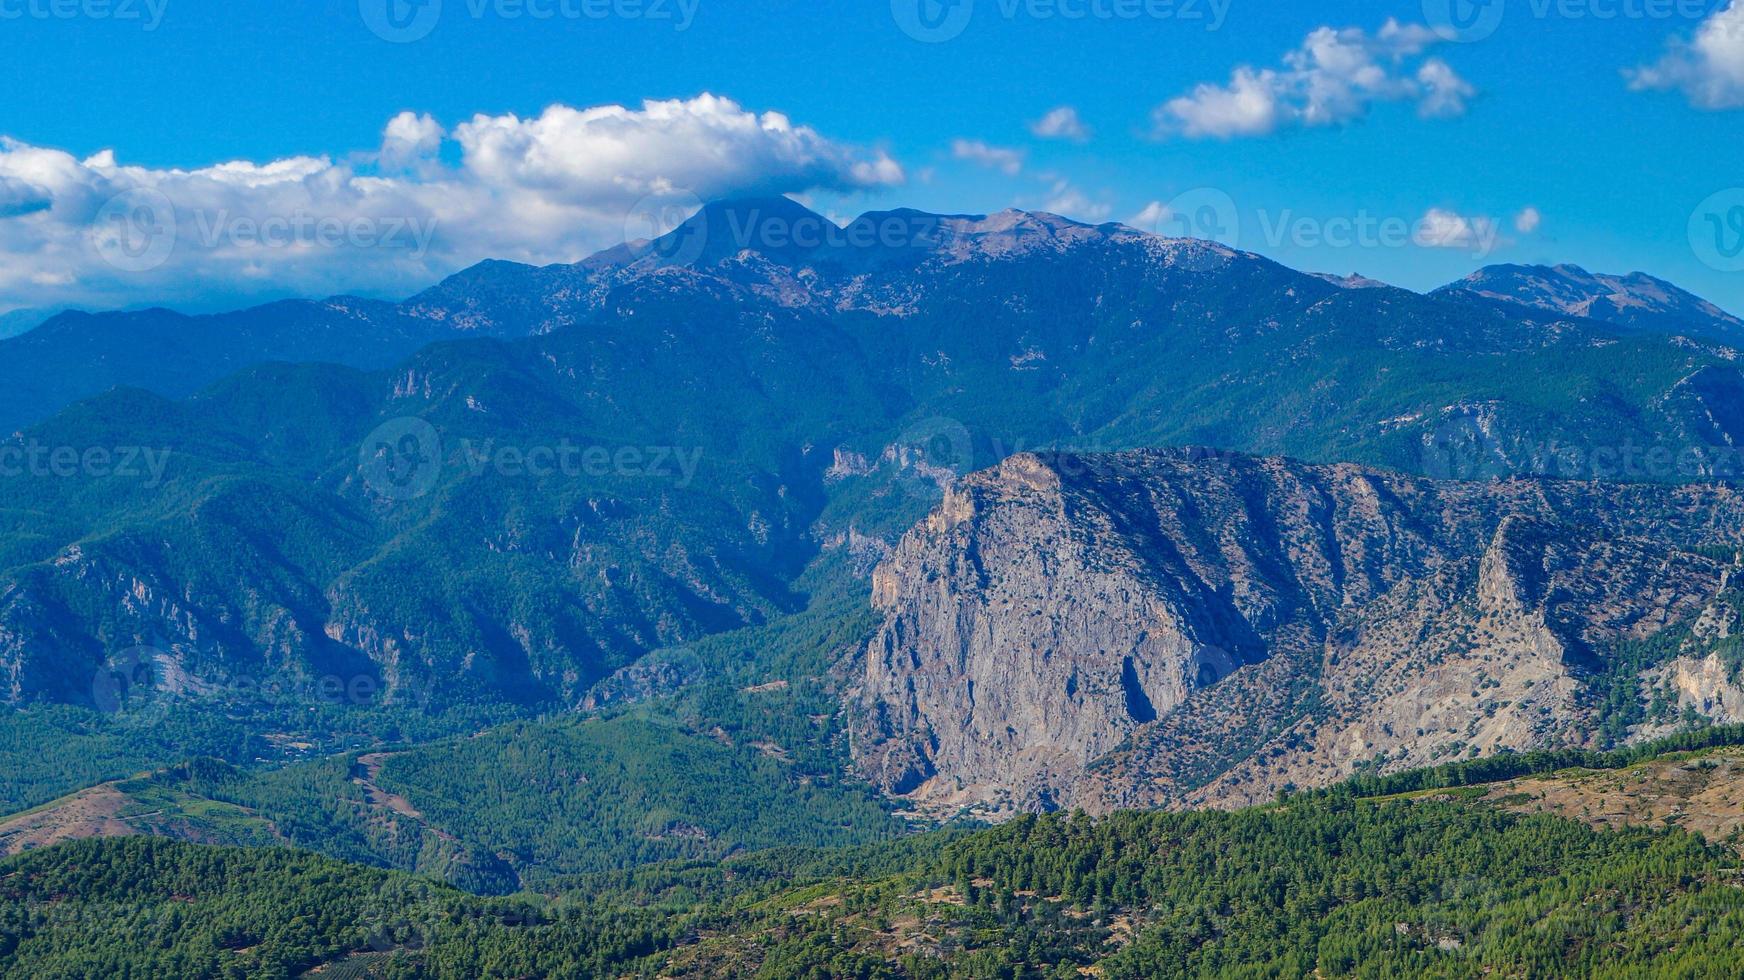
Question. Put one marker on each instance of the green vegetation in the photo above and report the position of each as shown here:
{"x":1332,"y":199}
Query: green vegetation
{"x":1325,"y":883}
{"x":506,"y":599}
{"x":52,"y":750}
{"x":740,"y":752}
{"x":1512,"y":765}
{"x":595,"y":795}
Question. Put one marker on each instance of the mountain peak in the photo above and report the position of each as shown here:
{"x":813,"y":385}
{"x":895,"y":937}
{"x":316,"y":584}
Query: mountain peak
{"x":776,"y":227}
{"x":1636,"y":301}
{"x":1355,"y":280}
{"x":786,"y":232}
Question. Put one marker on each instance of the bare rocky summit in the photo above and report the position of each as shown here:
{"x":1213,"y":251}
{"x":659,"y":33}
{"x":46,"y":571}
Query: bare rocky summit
{"x":1190,"y":627}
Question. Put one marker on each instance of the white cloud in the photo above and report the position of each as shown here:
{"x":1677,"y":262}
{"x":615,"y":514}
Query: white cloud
{"x":1063,"y":123}
{"x":1070,"y":202}
{"x":410,"y":141}
{"x":1332,"y":79}
{"x":1708,"y":69}
{"x":1248,"y":106}
{"x":708,"y":146}
{"x":999,"y":158}
{"x":552,"y":188}
{"x":1445,"y":94}
{"x":1448,"y":229}
{"x":1151,"y":216}
{"x":1528,"y":220}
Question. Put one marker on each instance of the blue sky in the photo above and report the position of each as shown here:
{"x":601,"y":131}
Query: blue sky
{"x":1542,"y":118}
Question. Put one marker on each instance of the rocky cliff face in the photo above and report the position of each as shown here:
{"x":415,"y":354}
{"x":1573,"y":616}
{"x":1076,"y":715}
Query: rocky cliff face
{"x":1183,"y":626}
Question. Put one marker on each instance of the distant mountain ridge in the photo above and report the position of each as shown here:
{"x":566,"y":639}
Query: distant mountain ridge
{"x":823,"y":401}
{"x":774,"y":246}
{"x":1636,"y":301}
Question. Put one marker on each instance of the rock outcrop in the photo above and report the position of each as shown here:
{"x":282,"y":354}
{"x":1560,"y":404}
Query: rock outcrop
{"x":1184,"y":626}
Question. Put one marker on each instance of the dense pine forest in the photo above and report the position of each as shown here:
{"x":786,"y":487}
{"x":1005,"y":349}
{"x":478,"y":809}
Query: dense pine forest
{"x":1402,"y":876}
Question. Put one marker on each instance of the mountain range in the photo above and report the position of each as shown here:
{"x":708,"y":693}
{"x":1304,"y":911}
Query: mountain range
{"x":512,"y":488}
{"x":1638,"y":302}
{"x":775,"y":247}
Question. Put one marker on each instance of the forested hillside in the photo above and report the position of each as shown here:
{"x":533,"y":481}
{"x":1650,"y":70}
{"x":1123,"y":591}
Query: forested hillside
{"x":1336,"y":884}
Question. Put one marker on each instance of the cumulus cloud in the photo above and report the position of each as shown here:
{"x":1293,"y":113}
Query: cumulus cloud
{"x":1444,"y":93}
{"x":1002,"y":159}
{"x":1448,"y":229}
{"x":1332,"y":79}
{"x":550,"y":188}
{"x":1708,"y":68}
{"x":410,"y":141}
{"x":19,"y":197}
{"x":1070,"y":202}
{"x":1528,"y":220}
{"x":1152,"y":215}
{"x":1063,"y":123}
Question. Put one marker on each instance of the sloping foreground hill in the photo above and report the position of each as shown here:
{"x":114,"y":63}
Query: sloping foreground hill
{"x":511,"y":808}
{"x":1186,"y":626}
{"x":1702,"y":793}
{"x":697,"y":753}
{"x":1435,"y":883}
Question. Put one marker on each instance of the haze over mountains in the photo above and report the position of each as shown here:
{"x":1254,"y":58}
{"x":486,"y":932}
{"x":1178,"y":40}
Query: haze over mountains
{"x":678,"y":438}
{"x":75,"y":355}
{"x":1636,"y":301}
